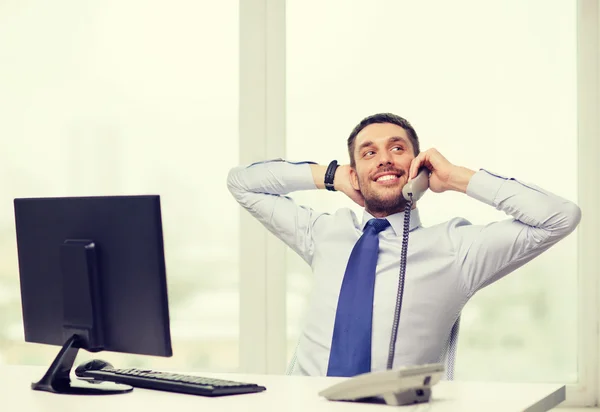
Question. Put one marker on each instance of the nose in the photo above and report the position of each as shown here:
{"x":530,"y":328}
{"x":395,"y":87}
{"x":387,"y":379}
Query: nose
{"x":385,"y":158}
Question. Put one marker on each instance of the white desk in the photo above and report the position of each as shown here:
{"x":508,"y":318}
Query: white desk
{"x":284,"y":393}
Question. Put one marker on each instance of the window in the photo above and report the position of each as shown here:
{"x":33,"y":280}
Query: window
{"x":490,"y":85}
{"x":131,"y":97}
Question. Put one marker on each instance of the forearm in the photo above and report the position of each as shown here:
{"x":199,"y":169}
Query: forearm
{"x":318,"y":174}
{"x":270,"y":177}
{"x":527,"y":203}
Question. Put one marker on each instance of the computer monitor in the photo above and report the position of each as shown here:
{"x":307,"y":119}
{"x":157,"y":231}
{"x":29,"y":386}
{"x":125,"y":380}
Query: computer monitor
{"x":92,"y":276}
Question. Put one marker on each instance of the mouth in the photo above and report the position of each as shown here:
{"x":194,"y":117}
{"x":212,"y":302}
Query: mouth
{"x":387,"y":179}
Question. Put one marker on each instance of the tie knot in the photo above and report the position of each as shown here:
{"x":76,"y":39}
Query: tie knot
{"x":378,"y":224}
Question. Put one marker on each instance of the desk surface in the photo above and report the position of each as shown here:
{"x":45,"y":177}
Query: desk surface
{"x":285,"y":393}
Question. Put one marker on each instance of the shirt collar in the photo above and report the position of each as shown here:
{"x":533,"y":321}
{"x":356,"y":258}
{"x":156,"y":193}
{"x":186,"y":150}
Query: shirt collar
{"x":396,"y":221}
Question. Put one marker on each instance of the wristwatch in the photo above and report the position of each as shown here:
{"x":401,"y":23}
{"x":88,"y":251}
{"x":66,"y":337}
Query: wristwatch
{"x":330,"y":174}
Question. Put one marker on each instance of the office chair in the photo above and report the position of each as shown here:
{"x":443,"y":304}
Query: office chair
{"x":449,"y":358}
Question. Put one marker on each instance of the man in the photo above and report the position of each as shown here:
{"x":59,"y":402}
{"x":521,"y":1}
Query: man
{"x":356,"y":260}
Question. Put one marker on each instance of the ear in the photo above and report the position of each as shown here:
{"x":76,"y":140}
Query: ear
{"x":354,"y":179}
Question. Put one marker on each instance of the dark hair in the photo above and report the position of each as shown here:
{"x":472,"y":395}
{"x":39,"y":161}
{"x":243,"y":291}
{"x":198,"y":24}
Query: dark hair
{"x":383,"y":118}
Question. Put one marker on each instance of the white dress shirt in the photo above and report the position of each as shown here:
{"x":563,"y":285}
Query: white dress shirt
{"x":446,"y":263}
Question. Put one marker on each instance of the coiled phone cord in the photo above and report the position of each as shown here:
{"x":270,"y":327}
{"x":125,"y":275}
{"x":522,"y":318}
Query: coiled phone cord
{"x":405,"y":233}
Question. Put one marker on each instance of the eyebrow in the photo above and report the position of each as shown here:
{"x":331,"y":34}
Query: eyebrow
{"x":392,"y":139}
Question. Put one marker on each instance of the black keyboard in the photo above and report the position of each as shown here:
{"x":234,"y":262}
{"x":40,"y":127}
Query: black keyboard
{"x":171,"y":382}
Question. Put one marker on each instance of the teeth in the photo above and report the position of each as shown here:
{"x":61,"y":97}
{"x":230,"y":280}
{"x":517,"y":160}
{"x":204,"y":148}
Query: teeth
{"x":387,"y":177}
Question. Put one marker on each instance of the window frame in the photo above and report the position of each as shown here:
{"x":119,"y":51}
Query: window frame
{"x":261,"y":136}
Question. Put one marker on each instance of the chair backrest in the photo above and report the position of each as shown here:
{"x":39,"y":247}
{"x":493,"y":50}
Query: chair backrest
{"x":450,"y":355}
{"x":290,"y":367}
{"x":451,"y":350}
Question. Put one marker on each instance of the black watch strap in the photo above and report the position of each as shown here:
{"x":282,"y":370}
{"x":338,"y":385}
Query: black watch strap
{"x":330,"y":174}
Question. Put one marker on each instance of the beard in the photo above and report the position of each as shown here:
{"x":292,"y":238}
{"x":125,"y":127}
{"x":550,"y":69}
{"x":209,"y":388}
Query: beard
{"x":383,"y":200}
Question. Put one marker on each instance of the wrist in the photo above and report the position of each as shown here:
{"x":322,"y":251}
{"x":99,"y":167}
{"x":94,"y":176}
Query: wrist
{"x":459,"y":179}
{"x":338,"y":178}
{"x":318,"y":173}
{"x":329,"y":178}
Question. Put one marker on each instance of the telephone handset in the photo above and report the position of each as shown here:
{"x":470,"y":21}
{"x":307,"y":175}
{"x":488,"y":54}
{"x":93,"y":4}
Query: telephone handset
{"x":415,"y":188}
{"x":394,"y":387}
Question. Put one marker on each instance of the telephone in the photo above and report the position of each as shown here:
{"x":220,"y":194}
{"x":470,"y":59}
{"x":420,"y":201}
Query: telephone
{"x":406,"y":385}
{"x":415,"y":188}
{"x":403,"y":386}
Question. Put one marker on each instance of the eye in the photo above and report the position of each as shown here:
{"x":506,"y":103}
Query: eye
{"x":369,"y":153}
{"x":398,"y":148}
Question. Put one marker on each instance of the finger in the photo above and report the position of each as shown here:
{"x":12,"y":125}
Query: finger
{"x":411,"y":167}
{"x":415,"y":164}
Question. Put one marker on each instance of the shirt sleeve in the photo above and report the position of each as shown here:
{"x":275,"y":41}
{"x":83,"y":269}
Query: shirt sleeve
{"x":261,"y":189}
{"x":539,"y":220}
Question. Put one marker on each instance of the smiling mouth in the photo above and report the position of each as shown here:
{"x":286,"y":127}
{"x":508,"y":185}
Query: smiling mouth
{"x":387,"y":180}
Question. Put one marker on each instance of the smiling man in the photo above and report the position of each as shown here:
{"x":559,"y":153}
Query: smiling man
{"x":355,"y":260}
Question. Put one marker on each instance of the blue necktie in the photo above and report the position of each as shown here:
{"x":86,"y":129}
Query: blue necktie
{"x":351,"y":344}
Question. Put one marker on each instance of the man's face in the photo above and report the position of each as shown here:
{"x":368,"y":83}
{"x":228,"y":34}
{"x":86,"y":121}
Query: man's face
{"x":383,"y":154}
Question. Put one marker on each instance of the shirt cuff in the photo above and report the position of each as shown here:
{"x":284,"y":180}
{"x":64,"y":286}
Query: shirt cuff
{"x":484,"y":186}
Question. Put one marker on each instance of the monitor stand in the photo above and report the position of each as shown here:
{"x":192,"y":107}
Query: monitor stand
{"x":82,"y":321}
{"x":57,"y":379}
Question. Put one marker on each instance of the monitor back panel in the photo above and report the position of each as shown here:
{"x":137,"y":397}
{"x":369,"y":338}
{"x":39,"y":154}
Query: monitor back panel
{"x":127,"y":232}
